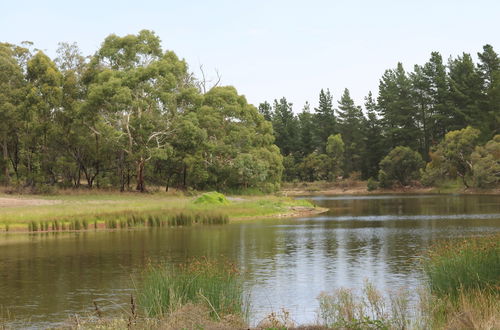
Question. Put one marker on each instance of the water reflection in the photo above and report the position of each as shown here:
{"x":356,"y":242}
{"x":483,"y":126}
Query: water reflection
{"x":286,"y":262}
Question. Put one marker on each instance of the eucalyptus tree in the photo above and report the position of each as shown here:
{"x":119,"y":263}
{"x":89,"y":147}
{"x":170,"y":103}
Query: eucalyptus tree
{"x":11,"y":94}
{"x":42,"y":103}
{"x":239,"y":150}
{"x":137,"y":90}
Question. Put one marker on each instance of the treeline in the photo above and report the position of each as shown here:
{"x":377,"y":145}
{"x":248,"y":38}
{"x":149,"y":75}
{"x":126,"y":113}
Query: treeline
{"x":129,"y":115}
{"x":413,"y":109}
{"x":133,"y":114}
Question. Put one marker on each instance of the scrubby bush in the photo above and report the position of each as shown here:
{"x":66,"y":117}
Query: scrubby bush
{"x":486,"y":164}
{"x":401,"y":165}
{"x":212,"y":198}
{"x":372,"y":184}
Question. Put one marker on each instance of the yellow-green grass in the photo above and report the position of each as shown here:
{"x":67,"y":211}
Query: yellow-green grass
{"x":100,"y":206}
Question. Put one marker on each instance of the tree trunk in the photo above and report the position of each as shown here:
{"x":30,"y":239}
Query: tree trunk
{"x":5,"y":153}
{"x":140,"y":175}
{"x":184,"y":177}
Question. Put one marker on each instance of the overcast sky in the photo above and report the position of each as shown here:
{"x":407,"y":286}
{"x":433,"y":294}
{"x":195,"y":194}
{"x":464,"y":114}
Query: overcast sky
{"x":269,"y":49}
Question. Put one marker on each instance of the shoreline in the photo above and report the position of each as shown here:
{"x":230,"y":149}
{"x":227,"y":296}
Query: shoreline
{"x":360,"y":189}
{"x":80,"y":213}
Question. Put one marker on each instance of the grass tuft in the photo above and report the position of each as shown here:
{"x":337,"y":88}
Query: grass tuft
{"x":459,"y":266}
{"x":209,"y":283}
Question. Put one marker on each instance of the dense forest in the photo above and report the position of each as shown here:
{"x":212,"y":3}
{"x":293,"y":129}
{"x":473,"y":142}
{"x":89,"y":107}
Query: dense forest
{"x":443,"y":114}
{"x":133,"y":115}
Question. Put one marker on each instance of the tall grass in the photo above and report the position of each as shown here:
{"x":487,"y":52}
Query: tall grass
{"x":213,"y":284}
{"x":133,"y":220}
{"x":464,"y":265}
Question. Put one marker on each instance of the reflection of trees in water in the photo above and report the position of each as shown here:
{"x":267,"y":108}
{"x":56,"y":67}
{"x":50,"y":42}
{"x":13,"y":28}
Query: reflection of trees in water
{"x":285,"y":258}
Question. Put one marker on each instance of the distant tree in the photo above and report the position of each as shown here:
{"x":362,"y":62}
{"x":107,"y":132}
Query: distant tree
{"x":374,"y":149}
{"x":285,"y":126}
{"x":486,"y":164}
{"x":266,"y":110}
{"x":401,"y":165}
{"x":324,"y":120}
{"x":351,"y":124}
{"x":489,"y":69}
{"x":306,"y":128}
{"x":314,"y":167}
{"x":397,"y":108}
{"x":335,"y":150}
{"x":453,"y":156}
{"x":466,"y":93}
{"x":11,"y":96}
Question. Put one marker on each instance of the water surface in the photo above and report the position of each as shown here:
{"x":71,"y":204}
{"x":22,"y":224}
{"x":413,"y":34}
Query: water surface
{"x":45,"y":278}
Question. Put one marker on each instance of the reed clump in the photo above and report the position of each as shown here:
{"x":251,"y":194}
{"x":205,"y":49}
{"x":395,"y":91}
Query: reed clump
{"x":465,"y":265}
{"x":134,"y":220}
{"x":216,"y":285}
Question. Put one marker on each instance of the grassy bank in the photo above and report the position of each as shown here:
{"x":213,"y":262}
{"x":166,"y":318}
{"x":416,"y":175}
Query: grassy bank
{"x":113,"y":210}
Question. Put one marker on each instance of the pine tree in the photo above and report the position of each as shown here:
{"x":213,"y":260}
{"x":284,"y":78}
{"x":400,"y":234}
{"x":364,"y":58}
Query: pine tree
{"x":306,"y":126}
{"x":351,"y":122}
{"x":266,"y":110}
{"x":397,"y":108}
{"x":324,"y":120}
{"x":373,"y":139}
{"x":285,"y":127}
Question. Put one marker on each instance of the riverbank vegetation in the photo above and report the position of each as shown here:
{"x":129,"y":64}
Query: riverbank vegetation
{"x":133,"y":116}
{"x":63,"y":212}
{"x":427,"y":110}
{"x":464,"y":283}
{"x":208,"y":294}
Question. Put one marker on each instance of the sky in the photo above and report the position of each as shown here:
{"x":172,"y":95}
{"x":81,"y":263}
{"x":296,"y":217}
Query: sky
{"x":270,"y":49}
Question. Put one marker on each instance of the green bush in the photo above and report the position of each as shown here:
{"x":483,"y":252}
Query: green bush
{"x":212,"y":198}
{"x":401,"y":165}
{"x":372,"y":184}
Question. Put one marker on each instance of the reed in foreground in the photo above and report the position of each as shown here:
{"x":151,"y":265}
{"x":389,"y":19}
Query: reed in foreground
{"x":213,"y":284}
{"x":456,"y":267}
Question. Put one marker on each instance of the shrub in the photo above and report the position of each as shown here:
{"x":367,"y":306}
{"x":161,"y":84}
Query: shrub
{"x":401,"y":165}
{"x":372,"y":184}
{"x":212,"y":198}
{"x":486,"y":164}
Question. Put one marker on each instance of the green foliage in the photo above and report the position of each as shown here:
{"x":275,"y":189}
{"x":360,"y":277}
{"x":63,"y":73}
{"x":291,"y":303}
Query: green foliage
{"x":486,"y":164}
{"x":464,"y":265}
{"x":166,"y":288}
{"x":372,"y":184}
{"x":335,"y":150}
{"x":133,"y":115}
{"x":453,"y":156}
{"x":401,"y":165}
{"x":212,"y":198}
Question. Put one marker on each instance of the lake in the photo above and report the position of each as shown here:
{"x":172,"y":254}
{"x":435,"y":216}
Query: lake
{"x":45,"y":278}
